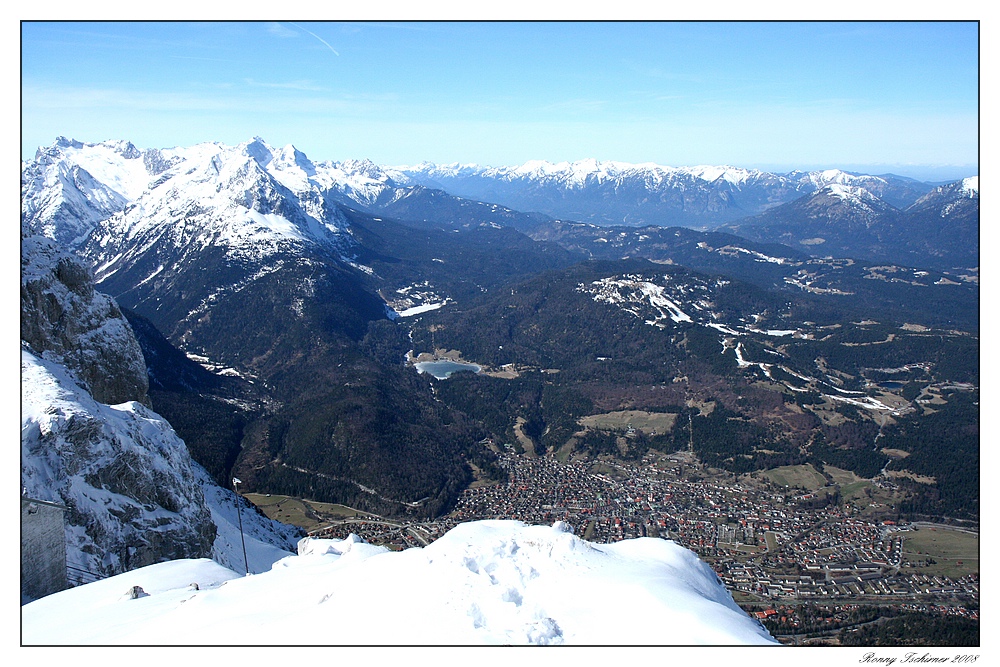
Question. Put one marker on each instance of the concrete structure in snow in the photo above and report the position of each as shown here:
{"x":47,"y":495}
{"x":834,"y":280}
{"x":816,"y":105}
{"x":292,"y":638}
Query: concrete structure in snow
{"x":43,"y":549}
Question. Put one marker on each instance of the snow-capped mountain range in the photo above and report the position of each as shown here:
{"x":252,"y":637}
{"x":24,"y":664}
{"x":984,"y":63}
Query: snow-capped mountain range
{"x":156,"y":218}
{"x":70,"y":186}
{"x":121,"y":206}
{"x":940,"y":229}
{"x":258,"y":196}
{"x":619,"y":193}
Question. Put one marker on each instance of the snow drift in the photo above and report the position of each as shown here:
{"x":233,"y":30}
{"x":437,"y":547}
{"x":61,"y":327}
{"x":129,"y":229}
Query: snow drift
{"x":485,"y":582}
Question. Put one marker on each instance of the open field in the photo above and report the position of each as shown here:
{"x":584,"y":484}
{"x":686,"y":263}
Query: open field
{"x":744,"y":548}
{"x":305,"y":514}
{"x":650,"y":423}
{"x":527,"y":444}
{"x":947,"y":547}
{"x":856,"y":491}
{"x":895,"y":453}
{"x":750,"y":549}
{"x":744,"y":596}
{"x":842,"y":477}
{"x":480,"y":479}
{"x":921,"y":479}
{"x":564,"y":453}
{"x":804,"y":476}
{"x":704,"y":408}
{"x":851,"y":486}
{"x":612,"y":471}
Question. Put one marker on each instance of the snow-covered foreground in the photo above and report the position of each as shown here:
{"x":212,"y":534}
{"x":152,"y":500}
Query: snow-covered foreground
{"x":486,"y":582}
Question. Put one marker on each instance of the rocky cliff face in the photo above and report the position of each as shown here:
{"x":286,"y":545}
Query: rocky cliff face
{"x":64,"y":319}
{"x":121,"y":470}
{"x":88,"y":442}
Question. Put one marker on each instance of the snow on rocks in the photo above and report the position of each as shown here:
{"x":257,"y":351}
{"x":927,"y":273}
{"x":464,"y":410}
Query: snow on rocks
{"x":64,"y":319}
{"x":266,"y":541}
{"x":120,"y":469}
{"x":970,"y":186}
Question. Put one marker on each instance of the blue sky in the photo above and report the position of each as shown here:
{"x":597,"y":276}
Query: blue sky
{"x":878,"y":97}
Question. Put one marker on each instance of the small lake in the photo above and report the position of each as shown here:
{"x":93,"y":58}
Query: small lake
{"x":891,"y":385}
{"x":443,"y":368}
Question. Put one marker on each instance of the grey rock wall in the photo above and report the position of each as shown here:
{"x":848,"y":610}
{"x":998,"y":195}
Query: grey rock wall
{"x":64,"y":319}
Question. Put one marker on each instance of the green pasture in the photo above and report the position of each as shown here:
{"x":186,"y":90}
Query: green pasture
{"x":947,"y":547}
{"x":804,"y":476}
{"x":649,"y":423}
{"x":307,"y":514}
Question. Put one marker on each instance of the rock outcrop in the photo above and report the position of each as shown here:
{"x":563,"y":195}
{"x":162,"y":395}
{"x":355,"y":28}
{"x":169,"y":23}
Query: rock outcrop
{"x":64,"y":319}
{"x":89,"y":441}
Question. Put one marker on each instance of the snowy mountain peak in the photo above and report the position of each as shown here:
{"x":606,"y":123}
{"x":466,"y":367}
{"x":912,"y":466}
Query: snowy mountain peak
{"x":66,"y":146}
{"x":364,"y":167}
{"x":258,"y":149}
{"x":65,"y":142}
{"x":970,"y":186}
{"x":825,"y":177}
{"x":572,"y":173}
{"x":116,"y":165}
{"x":962,"y":194}
{"x":124,"y":148}
{"x":733,"y":175}
{"x":848,"y":193}
{"x":853,"y":201}
{"x":289,"y":154}
{"x":433,"y":170}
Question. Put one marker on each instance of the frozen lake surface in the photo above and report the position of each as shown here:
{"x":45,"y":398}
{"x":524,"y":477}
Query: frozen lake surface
{"x":443,"y":368}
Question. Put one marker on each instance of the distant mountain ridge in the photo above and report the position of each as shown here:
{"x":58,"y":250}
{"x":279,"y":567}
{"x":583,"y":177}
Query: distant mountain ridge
{"x":939,"y":230}
{"x":619,"y":193}
{"x":77,"y":182}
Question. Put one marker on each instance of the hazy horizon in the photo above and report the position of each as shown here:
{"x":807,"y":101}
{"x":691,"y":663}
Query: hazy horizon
{"x":878,"y":97}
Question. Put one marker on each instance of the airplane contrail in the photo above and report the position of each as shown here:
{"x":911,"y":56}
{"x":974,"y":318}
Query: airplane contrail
{"x":317,"y":37}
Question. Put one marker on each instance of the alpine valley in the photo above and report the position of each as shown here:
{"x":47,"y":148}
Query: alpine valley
{"x":270,"y":312}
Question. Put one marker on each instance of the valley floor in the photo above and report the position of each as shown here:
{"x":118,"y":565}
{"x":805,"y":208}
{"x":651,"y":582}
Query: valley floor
{"x":805,"y":568}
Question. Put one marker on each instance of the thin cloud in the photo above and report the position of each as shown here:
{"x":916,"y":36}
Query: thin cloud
{"x":279,"y":30}
{"x":34,"y":97}
{"x":317,"y":37}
